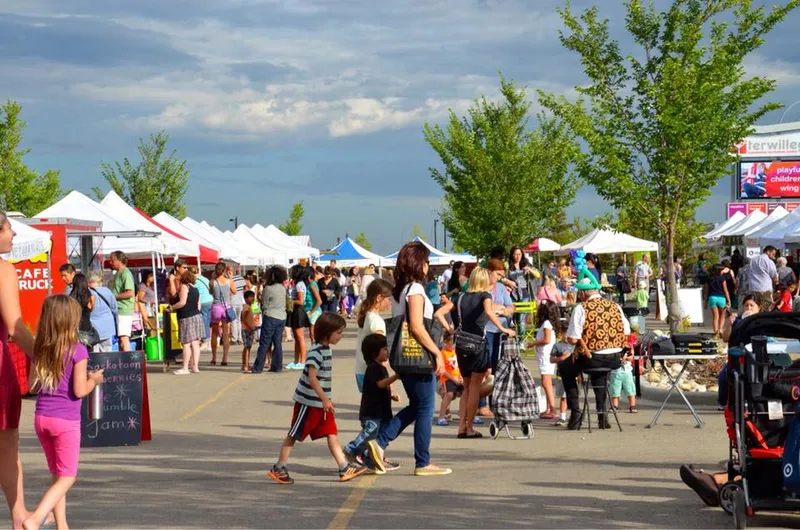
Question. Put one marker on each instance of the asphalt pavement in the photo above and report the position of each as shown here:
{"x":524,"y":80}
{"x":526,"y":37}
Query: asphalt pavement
{"x":215,"y":435}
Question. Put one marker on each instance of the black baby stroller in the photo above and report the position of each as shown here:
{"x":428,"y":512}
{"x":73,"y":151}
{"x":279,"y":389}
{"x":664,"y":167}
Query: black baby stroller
{"x":763,"y":392}
{"x":514,"y":398}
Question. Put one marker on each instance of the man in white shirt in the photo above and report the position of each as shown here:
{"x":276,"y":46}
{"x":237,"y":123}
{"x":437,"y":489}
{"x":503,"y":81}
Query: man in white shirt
{"x":762,"y":275}
{"x":598,"y":329}
{"x":444,"y":279}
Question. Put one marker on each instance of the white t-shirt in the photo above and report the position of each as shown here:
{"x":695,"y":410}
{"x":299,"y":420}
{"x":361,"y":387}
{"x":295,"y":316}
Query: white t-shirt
{"x":444,"y":279}
{"x":399,"y":308}
{"x":544,"y":351}
{"x":373,"y":323}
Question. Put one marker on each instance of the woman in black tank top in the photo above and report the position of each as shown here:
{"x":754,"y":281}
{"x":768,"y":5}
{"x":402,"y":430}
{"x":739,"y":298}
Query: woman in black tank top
{"x":190,"y":322}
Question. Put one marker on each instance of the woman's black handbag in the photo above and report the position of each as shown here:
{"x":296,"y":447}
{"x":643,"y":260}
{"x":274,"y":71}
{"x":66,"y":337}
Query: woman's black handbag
{"x":624,"y":285}
{"x":89,"y":338}
{"x":469,"y":343}
{"x":406,"y":355}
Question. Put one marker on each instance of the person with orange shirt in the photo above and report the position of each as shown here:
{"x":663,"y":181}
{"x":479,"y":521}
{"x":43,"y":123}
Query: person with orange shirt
{"x":451,"y":380}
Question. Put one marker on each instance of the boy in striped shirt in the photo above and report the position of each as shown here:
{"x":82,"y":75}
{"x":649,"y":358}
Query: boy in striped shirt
{"x":313,"y":409}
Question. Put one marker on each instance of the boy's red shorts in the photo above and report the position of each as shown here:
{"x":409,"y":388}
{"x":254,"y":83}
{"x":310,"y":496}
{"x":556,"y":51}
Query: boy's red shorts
{"x":311,"y":421}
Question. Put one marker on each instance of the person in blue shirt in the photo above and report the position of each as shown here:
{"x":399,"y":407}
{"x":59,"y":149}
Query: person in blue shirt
{"x":104,"y":312}
{"x":432,"y":292}
{"x":503,"y":305}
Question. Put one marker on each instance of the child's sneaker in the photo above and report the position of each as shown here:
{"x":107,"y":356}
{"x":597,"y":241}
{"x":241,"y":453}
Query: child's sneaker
{"x":560,"y":422}
{"x":353,"y":459}
{"x":281,"y":475}
{"x":388,"y":465}
{"x":350,"y":472}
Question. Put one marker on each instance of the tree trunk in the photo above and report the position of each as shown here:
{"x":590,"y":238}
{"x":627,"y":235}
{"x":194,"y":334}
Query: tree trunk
{"x":673,"y":310}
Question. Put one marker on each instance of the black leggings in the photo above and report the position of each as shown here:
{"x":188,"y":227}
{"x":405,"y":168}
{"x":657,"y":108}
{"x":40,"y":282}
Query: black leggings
{"x":570,"y":369}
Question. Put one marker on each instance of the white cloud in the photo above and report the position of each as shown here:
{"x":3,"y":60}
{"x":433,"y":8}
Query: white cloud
{"x":345,"y":68}
{"x":786,"y":74}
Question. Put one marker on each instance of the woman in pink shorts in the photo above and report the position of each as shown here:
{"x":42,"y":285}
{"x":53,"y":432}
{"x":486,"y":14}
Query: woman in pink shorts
{"x":222,"y":289}
{"x":61,"y":366}
{"x":10,"y":400}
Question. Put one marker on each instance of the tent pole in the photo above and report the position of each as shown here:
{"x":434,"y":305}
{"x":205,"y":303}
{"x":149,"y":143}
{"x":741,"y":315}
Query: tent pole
{"x":49,"y":273}
{"x":155,"y":295}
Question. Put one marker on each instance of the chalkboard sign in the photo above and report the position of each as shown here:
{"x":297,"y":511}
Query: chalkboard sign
{"x":121,"y":423}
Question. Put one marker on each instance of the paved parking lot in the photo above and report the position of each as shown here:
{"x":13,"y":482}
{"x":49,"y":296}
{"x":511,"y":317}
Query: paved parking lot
{"x":215,"y":435}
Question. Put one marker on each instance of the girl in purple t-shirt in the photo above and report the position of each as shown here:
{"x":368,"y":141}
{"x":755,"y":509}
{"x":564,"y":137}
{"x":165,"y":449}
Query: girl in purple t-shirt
{"x":60,"y":365}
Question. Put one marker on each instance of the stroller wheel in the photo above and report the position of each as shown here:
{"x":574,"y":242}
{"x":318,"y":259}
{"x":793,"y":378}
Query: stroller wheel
{"x":726,"y":494}
{"x":494,"y":431}
{"x":527,"y":430}
{"x":739,"y":510}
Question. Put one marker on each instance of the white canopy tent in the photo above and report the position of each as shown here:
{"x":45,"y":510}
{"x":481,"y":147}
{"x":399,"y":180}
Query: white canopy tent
{"x":280,"y":242}
{"x":226,"y":245}
{"x":777,"y":214}
{"x":273,"y":233}
{"x":600,"y":241}
{"x":78,"y":206}
{"x":751,"y":219}
{"x":272,"y":254}
{"x":124,"y":211}
{"x":733,"y":220}
{"x":774,"y":233}
{"x":28,"y":242}
{"x":437,"y":257}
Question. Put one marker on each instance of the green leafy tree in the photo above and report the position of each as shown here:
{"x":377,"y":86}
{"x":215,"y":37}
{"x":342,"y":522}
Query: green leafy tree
{"x":156,"y":184}
{"x":362,"y":240}
{"x":294,"y":224}
{"x":503,"y":182}
{"x":22,"y":189}
{"x":659,"y":121}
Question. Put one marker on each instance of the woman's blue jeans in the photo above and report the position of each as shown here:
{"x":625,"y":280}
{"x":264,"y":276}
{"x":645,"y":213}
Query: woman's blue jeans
{"x":205,"y":310}
{"x":271,"y":335}
{"x":421,"y":392}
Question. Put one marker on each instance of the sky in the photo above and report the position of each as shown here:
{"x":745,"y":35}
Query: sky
{"x":275,"y":101}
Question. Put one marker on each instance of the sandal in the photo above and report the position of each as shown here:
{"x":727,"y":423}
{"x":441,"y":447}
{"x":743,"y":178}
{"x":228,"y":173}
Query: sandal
{"x":213,"y":363}
{"x":223,"y":364}
{"x":463,"y":435}
{"x":634,"y":410}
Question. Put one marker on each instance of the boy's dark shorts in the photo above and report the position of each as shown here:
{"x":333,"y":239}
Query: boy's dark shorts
{"x":311,"y":421}
{"x":451,"y":387}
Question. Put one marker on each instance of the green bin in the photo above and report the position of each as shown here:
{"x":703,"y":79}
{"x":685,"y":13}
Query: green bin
{"x":154,"y":349}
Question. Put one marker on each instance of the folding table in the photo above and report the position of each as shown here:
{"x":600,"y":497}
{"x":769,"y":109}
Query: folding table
{"x":675,"y":382}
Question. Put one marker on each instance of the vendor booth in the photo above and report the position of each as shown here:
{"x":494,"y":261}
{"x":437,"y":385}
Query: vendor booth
{"x":348,"y":253}
{"x":437,"y":257}
{"x":228,"y":248}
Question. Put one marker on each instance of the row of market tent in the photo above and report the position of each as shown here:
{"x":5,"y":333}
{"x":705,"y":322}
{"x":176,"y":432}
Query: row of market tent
{"x":130,"y":230}
{"x":779,"y":228}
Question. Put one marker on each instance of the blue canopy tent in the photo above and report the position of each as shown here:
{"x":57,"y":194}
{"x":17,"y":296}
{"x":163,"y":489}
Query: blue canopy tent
{"x":348,"y":253}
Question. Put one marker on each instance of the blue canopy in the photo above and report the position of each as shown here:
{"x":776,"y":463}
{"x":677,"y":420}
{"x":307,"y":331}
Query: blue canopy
{"x":350,"y":253}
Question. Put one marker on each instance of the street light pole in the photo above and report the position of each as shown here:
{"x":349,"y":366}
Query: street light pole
{"x":787,"y":110}
{"x":435,"y":235}
{"x":235,"y":221}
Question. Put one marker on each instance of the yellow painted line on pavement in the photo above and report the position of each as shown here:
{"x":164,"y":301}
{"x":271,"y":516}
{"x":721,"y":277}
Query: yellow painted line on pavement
{"x":352,"y":502}
{"x":202,"y":406}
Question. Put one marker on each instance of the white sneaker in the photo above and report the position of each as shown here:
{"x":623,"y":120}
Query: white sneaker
{"x":181,"y":372}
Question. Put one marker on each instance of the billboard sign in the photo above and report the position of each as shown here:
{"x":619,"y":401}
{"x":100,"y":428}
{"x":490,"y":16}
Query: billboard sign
{"x":769,"y":179}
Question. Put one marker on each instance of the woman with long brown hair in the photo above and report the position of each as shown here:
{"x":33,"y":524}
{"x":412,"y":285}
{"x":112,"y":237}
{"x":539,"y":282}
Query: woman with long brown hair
{"x":11,"y":326}
{"x":408,"y":298}
{"x":190,"y":322}
{"x":222,"y":289}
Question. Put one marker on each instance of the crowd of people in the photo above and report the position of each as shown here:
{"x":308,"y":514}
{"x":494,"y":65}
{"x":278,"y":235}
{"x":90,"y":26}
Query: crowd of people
{"x":576,"y":329}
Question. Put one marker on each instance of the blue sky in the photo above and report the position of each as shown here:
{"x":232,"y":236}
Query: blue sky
{"x":274,"y":101}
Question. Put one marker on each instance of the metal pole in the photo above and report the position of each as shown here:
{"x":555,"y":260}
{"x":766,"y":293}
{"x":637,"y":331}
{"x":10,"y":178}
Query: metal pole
{"x":445,"y":238}
{"x":435,"y":235}
{"x":155,"y":295}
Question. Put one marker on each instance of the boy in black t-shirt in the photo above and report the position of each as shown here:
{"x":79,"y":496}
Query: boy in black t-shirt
{"x":376,"y":403}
